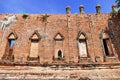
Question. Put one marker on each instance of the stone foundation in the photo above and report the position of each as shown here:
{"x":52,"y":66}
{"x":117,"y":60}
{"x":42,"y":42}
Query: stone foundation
{"x":62,"y":73}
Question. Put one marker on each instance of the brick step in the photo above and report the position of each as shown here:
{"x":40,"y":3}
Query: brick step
{"x":58,"y":62}
{"x":33,"y":62}
{"x":111,"y":59}
{"x":85,"y":60}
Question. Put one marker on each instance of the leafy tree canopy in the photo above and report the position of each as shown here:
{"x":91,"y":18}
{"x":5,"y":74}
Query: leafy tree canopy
{"x":118,"y":3}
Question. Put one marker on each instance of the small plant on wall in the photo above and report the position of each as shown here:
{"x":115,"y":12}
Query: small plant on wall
{"x":59,"y":57}
{"x":44,"y":17}
{"x":113,"y":13}
{"x":25,"y":16}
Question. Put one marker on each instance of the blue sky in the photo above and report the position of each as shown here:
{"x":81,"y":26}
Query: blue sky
{"x":53,"y":6}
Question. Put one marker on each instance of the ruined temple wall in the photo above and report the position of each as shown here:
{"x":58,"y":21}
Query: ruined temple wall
{"x":68,"y":25}
{"x":98,"y":23}
{"x":24,"y":28}
{"x":115,"y":24}
{"x":3,"y":43}
{"x":92,"y":25}
{"x":1,"y":40}
{"x":56,"y":23}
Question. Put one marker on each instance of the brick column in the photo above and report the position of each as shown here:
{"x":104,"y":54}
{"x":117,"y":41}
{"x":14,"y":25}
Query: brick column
{"x":98,"y":9}
{"x":81,"y":8}
{"x":114,"y":7}
{"x":68,"y":11}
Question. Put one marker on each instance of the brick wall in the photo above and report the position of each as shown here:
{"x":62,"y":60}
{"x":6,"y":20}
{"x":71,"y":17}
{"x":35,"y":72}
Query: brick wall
{"x":69,"y":25}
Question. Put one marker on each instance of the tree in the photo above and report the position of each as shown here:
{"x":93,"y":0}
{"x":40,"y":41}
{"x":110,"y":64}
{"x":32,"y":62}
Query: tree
{"x":118,"y":3}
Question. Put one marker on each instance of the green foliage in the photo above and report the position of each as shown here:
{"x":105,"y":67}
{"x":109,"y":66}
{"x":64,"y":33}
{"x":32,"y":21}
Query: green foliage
{"x":25,"y":15}
{"x":44,"y":17}
{"x":67,"y":62}
{"x":59,"y":57}
{"x":118,"y":3}
{"x":113,"y":11}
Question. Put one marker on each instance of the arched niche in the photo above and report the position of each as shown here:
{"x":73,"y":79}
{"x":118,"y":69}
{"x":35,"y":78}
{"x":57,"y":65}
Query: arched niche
{"x":11,"y":39}
{"x":34,"y":46}
{"x":106,"y":43}
{"x":82,"y":45}
{"x":58,"y":54}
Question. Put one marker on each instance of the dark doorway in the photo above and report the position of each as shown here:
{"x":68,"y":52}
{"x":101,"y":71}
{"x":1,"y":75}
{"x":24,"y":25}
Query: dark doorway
{"x":59,"y":54}
{"x":107,"y":53}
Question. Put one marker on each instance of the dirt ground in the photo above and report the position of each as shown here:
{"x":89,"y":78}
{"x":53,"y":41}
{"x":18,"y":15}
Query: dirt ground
{"x":66,"y":73}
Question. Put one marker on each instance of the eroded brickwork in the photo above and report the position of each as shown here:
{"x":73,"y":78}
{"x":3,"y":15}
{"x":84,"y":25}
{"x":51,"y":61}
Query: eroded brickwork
{"x":69,"y":26}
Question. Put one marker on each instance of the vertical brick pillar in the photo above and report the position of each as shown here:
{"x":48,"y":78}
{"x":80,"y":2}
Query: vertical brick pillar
{"x":114,"y":8}
{"x":98,"y":9}
{"x":68,"y":10}
{"x":81,"y":8}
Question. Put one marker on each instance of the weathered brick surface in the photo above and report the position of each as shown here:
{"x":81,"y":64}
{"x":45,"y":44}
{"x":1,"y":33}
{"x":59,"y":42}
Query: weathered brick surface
{"x":63,"y":73}
{"x":69,"y":25}
{"x":115,"y":29}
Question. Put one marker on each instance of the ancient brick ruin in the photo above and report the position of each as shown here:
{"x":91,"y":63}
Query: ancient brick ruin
{"x":61,"y":38}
